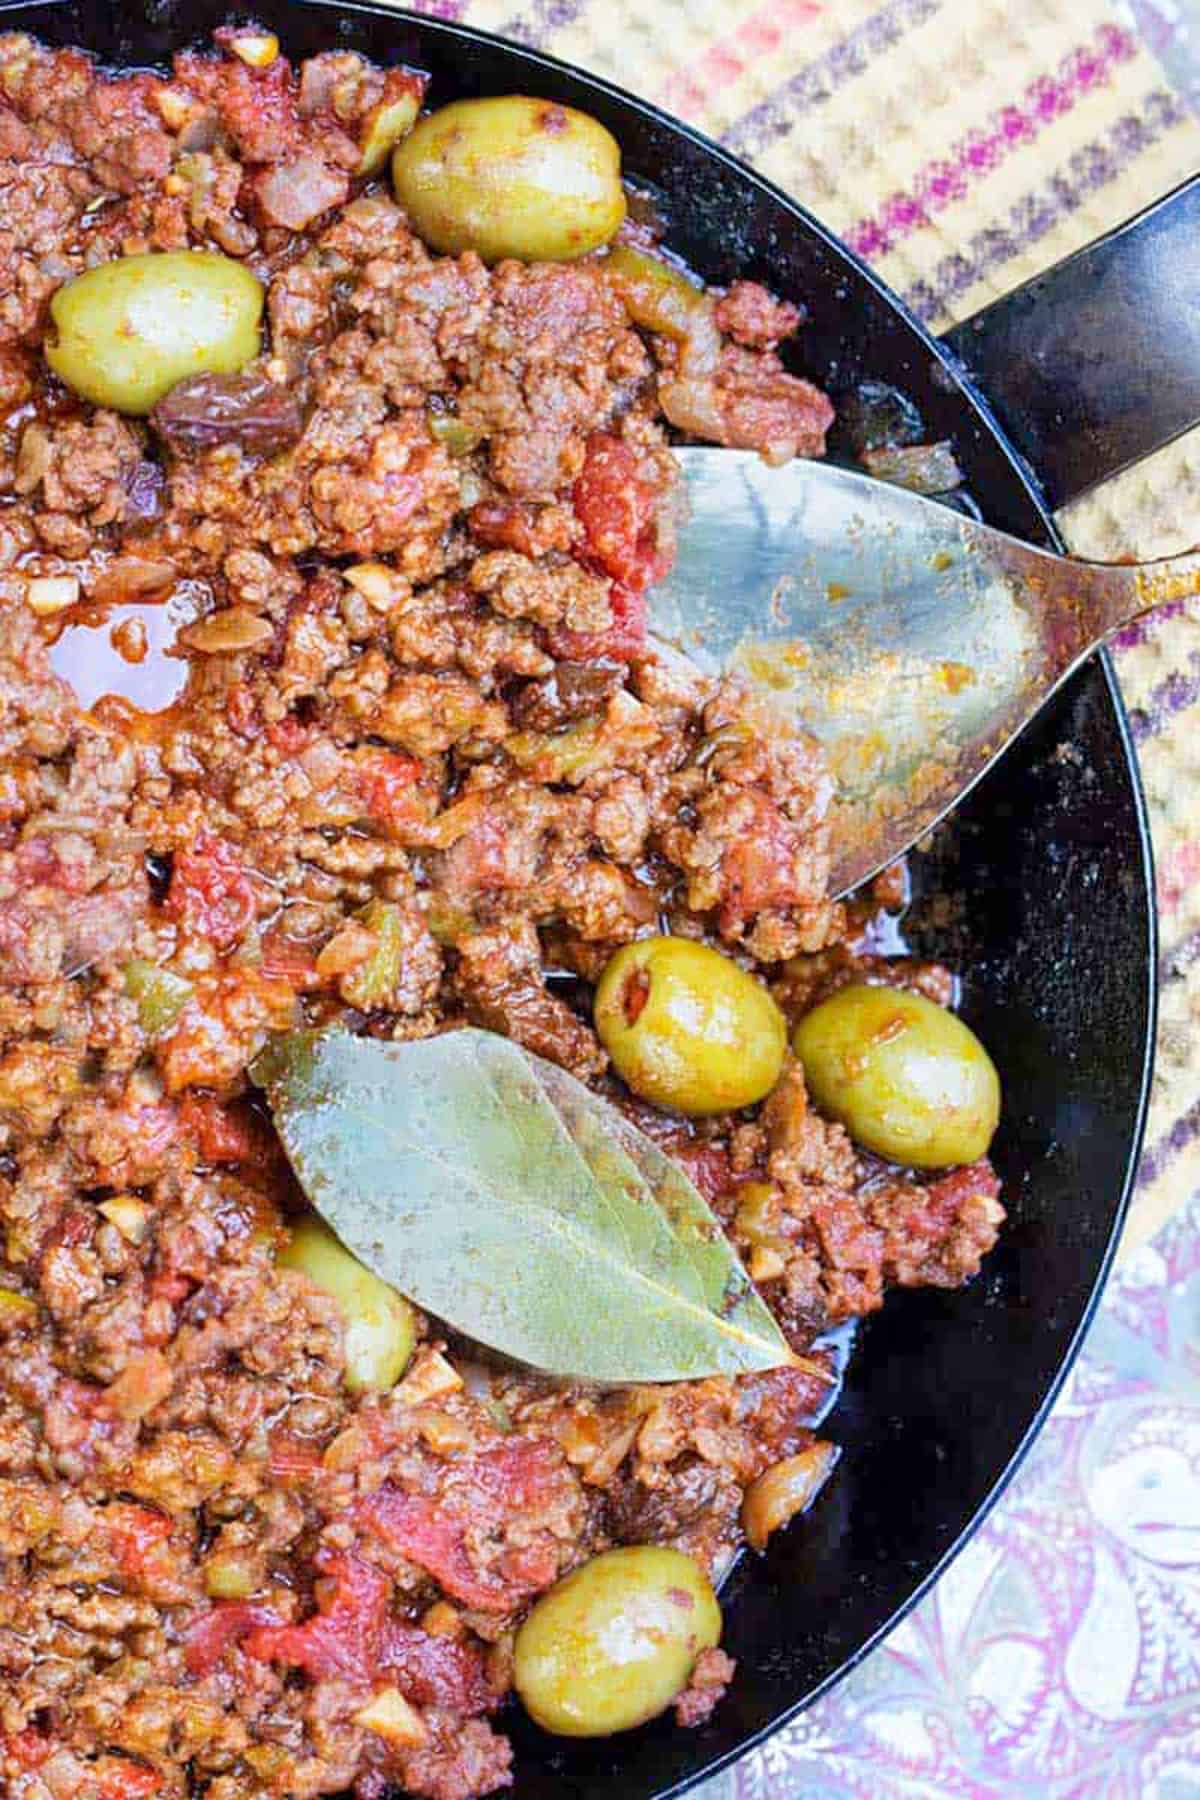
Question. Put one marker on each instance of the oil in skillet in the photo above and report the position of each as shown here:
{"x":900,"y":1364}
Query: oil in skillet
{"x":126,"y":649}
{"x":838,"y":1343}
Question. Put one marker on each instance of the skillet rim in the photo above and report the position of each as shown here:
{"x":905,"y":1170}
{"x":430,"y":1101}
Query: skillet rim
{"x":1029,"y":1436}
{"x":943,"y":357}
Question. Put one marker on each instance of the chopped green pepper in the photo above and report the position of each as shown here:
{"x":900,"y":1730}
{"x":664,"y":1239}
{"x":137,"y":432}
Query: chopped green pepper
{"x":160,"y":995}
{"x":568,"y":755}
{"x":373,"y":981}
{"x":447,"y":921}
{"x":16,"y":1309}
{"x":454,"y":434}
{"x":229,"y":1575}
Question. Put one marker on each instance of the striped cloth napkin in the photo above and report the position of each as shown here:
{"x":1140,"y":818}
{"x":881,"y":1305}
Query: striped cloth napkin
{"x":961,"y":146}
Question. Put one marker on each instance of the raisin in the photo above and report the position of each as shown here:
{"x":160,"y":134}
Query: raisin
{"x":572,"y":692}
{"x":249,"y":410}
{"x":144,"y":490}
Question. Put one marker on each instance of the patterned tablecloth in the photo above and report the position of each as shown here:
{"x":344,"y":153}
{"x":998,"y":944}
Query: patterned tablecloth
{"x":961,"y":146}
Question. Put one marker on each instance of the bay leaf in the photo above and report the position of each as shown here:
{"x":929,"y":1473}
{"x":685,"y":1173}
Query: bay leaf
{"x":504,"y":1197}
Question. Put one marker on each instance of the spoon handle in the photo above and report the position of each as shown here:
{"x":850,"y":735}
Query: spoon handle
{"x":1093,"y":600}
{"x":1172,"y":578}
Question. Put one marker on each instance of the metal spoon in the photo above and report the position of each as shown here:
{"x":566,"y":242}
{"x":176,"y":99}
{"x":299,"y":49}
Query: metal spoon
{"x":911,"y":640}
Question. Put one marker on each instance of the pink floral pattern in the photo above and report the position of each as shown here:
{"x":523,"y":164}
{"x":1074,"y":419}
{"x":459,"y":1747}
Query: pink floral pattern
{"x":1059,"y":1655}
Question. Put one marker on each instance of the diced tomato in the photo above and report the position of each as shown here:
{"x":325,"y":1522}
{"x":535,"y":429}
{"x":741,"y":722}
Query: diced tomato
{"x":624,"y":639}
{"x":230,"y":1133}
{"x":626,"y":636}
{"x":387,"y":782}
{"x":136,"y":1535}
{"x":119,"y":1779}
{"x":289,"y":735}
{"x":765,"y":867}
{"x":28,"y":1748}
{"x":211,"y":892}
{"x":170,"y":1285}
{"x":514,"y":1475}
{"x":208,"y":1638}
{"x":618,"y":508}
{"x":344,"y":1637}
{"x":283,"y":959}
{"x":437,"y":1671}
{"x":415,"y":1525}
{"x":241,"y":709}
{"x":293,"y":1458}
{"x":353,"y":1637}
{"x":706,"y":1167}
{"x":924,"y":1213}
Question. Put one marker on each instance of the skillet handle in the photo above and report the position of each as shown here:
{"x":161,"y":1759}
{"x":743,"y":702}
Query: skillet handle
{"x":1095,"y":363}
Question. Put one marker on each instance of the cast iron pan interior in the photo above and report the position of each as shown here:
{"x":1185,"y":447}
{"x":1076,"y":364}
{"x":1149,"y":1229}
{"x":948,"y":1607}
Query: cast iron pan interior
{"x":1054,"y":935}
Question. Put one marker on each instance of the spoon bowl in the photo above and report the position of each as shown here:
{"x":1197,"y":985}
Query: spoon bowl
{"x":912,"y":640}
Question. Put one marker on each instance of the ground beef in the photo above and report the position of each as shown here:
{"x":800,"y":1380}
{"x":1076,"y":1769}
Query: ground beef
{"x":406,"y":677}
{"x":501,"y":981}
{"x":37,"y":710}
{"x":709,"y":1679}
{"x":754,"y":317}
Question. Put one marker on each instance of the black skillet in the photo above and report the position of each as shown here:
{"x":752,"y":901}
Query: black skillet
{"x":1050,"y":856}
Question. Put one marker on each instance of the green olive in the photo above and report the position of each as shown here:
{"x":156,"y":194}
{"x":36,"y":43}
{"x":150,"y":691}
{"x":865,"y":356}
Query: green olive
{"x":511,"y":177}
{"x":615,"y":1641}
{"x":380,"y":1328}
{"x":687,"y":1028}
{"x":905,"y":1077}
{"x":127,"y":331}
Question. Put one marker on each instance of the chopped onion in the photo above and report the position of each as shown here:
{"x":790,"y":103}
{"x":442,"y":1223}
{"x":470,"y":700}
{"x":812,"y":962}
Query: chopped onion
{"x":294,"y":194}
{"x":921,"y":468}
{"x":230,"y":1575}
{"x":50,"y":594}
{"x":379,"y":585}
{"x":234,"y":628}
{"x":257,"y":49}
{"x":383,"y":128}
{"x":321,"y":762}
{"x":691,"y":405}
{"x":790,"y":1487}
{"x":131,"y":1217}
{"x":132,"y":577}
{"x":390,"y":1716}
{"x":430,"y":1376}
{"x":347,"y":949}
